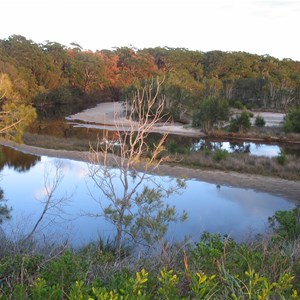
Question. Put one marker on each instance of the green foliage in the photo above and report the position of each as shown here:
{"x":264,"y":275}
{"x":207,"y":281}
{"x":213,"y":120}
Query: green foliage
{"x":4,"y":209}
{"x":292,"y":121}
{"x":151,"y":221}
{"x":238,"y":104}
{"x":173,"y":147}
{"x":220,"y":154}
{"x":61,"y":271}
{"x":256,"y":286}
{"x":168,"y":288}
{"x":281,"y":158}
{"x":287,"y":223}
{"x":202,"y":286}
{"x":211,"y":249}
{"x":39,"y":70}
{"x":212,"y":111}
{"x":15,"y":114}
{"x":260,"y":122}
{"x":240,"y":123}
{"x":215,"y":268}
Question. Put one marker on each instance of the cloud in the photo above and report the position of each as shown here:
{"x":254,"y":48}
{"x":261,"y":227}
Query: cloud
{"x":40,"y":194}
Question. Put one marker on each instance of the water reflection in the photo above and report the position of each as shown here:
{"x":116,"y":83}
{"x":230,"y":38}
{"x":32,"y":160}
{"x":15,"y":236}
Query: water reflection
{"x":4,"y":209}
{"x":221,"y":209}
{"x":21,"y":162}
{"x":237,"y":147}
{"x":52,"y":123}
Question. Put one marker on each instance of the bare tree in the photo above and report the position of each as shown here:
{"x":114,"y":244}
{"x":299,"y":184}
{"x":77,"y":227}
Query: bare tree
{"x":123,"y":172}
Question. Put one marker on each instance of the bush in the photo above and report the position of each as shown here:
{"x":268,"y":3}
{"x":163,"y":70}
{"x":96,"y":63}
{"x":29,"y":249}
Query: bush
{"x":260,"y":122}
{"x":292,"y":121}
{"x":287,"y":223}
{"x":240,"y":123}
{"x":281,"y":158}
{"x":174,"y":148}
{"x":238,"y":104}
{"x":220,"y":154}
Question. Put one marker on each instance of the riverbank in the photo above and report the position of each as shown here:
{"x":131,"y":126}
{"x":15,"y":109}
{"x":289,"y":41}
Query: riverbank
{"x":110,"y":115}
{"x":285,"y":188}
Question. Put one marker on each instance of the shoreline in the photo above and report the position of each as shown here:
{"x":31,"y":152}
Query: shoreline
{"x":110,"y":115}
{"x":288,"y":189}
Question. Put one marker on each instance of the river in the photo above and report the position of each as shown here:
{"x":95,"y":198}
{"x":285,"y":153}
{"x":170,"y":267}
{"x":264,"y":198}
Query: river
{"x":241,"y":213}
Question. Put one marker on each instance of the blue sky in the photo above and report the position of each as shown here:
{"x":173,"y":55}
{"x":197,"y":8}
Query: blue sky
{"x":255,"y":26}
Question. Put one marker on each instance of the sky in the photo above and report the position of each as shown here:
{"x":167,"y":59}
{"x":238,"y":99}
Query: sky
{"x":255,"y":26}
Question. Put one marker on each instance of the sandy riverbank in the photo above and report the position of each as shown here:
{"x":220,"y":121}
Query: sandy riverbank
{"x":110,"y":115}
{"x":276,"y":186}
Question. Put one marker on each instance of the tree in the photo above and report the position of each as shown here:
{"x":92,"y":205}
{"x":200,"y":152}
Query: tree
{"x":135,"y":201}
{"x":260,"y":122}
{"x":14,"y":115}
{"x":211,"y":111}
{"x":292,"y":121}
{"x":240,"y":123}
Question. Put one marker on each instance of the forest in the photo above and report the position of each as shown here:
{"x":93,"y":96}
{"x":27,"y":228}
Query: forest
{"x":50,"y":74}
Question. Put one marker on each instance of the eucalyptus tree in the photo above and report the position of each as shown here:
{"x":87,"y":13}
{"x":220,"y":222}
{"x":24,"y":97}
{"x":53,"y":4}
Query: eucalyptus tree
{"x":14,"y":115}
{"x":131,"y":198}
{"x":211,"y":112}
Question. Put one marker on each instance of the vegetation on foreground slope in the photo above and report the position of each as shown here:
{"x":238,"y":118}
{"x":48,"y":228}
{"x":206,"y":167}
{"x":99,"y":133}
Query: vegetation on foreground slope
{"x":213,"y":268}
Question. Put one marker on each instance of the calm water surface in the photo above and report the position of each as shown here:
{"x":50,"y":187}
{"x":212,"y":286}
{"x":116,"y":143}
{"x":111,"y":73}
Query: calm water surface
{"x":225,"y":210}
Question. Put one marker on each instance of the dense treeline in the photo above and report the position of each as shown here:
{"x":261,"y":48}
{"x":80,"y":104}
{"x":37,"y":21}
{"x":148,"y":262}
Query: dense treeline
{"x":51,"y":73}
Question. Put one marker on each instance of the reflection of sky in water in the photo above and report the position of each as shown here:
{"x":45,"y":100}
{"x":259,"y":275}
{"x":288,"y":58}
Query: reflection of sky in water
{"x":264,"y":150}
{"x":254,"y":149}
{"x":237,"y":212}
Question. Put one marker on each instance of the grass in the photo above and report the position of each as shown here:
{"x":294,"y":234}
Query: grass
{"x":243,"y":163}
{"x":57,"y":143}
{"x":214,"y":268}
{"x":238,"y":162}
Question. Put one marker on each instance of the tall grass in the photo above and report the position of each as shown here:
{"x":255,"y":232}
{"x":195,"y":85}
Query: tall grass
{"x":245,"y":163}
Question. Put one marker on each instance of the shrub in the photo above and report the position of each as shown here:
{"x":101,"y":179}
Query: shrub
{"x":238,"y":104}
{"x":281,"y":158}
{"x":174,"y":148}
{"x":240,"y":123}
{"x":260,"y":122}
{"x":220,"y":154}
{"x":287,"y":223}
{"x":292,"y":121}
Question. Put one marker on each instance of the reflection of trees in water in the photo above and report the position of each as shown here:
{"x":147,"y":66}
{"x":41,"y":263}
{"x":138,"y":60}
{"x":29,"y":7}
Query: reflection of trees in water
{"x":291,"y":149}
{"x":61,"y":129}
{"x":21,"y":162}
{"x":232,"y":146}
{"x":63,"y":110}
{"x":240,"y":147}
{"x":4,"y":209}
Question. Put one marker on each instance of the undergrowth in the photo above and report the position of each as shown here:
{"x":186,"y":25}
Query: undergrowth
{"x":216,"y":267}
